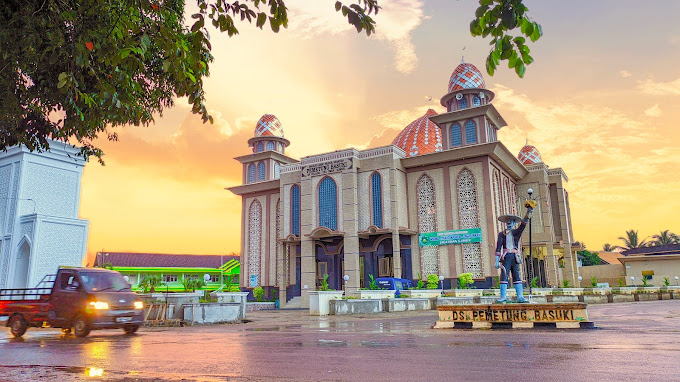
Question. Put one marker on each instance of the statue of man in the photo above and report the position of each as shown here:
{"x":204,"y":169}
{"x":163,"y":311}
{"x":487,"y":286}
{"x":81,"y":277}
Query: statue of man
{"x":509,"y":252}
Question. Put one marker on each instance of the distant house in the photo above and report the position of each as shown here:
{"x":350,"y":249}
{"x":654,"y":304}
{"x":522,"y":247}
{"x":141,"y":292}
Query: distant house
{"x":223,"y":270}
{"x":654,"y":264}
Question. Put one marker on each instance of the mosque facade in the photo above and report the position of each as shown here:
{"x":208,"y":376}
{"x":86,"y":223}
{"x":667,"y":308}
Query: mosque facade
{"x":375,"y":212}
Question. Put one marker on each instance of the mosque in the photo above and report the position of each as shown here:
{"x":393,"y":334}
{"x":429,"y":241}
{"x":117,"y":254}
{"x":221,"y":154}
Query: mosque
{"x":374,"y":212}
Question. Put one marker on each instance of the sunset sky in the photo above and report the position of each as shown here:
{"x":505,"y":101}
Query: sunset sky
{"x":600,"y":101}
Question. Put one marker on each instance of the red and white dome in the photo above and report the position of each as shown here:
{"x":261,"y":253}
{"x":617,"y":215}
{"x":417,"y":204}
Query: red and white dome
{"x":269,"y":126}
{"x":466,"y":76}
{"x":529,"y":155}
{"x":420,"y":137}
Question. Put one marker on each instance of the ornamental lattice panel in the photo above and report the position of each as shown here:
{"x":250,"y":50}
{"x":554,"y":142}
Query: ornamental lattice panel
{"x":254,"y":240}
{"x":468,"y":212}
{"x":276,"y":242}
{"x":427,"y":222}
{"x":497,"y":199}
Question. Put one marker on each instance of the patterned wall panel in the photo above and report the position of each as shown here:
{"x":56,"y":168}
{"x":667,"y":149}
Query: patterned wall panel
{"x":279,"y":235}
{"x":13,"y":202}
{"x":364,"y":202}
{"x":59,"y":244}
{"x":468,"y":213}
{"x":386,"y":199}
{"x":4,"y":266}
{"x":54,"y":190}
{"x":427,"y":222}
{"x":255,"y":240}
{"x":5,"y":182}
{"x":403,"y":199}
{"x":497,"y":208}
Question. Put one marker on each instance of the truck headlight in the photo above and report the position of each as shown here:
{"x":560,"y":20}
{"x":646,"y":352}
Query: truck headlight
{"x":139,"y":305}
{"x":99,"y":304}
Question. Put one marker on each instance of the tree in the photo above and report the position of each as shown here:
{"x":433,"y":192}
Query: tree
{"x":72,"y":69}
{"x":631,"y":240}
{"x":609,"y":248}
{"x":664,"y":238}
{"x":589,"y":258}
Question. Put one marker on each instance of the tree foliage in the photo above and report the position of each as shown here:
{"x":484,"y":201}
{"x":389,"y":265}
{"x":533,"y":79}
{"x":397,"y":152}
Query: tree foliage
{"x":665,"y":237}
{"x":589,"y":258}
{"x":501,"y":19}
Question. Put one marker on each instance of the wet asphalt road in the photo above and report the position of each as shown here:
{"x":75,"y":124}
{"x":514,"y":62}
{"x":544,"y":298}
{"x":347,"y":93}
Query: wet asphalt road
{"x":634,"y":342}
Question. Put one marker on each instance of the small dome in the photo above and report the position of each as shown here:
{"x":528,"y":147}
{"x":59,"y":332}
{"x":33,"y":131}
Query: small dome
{"x":269,"y":126}
{"x":420,"y":137}
{"x":529,"y":155}
{"x":466,"y":76}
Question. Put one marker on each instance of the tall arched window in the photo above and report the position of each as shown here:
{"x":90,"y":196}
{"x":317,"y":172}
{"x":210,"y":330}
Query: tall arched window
{"x":462,"y":103}
{"x":468,"y":213}
{"x":427,"y":222}
{"x":281,"y":148}
{"x":251,"y":173}
{"x":260,"y":147}
{"x":476,"y":102}
{"x":295,"y":210}
{"x":470,"y":132}
{"x":254,"y":240}
{"x":260,"y":171}
{"x":277,"y":170}
{"x":456,"y":135}
{"x":270,"y":146}
{"x":328,"y":204}
{"x":376,"y":193}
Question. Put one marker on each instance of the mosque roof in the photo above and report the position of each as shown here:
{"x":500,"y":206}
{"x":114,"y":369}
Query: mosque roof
{"x":269,"y":125}
{"x":466,"y":76}
{"x":529,"y":155}
{"x":421,"y":136}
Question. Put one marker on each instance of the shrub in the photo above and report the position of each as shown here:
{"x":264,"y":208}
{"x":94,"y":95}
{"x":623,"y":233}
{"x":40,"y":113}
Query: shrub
{"x":372,"y":285}
{"x":666,"y":282}
{"x":534,"y":282}
{"x":565,"y":284}
{"x":324,"y":283}
{"x":421,"y":283}
{"x":150,"y":282}
{"x":644,"y":281}
{"x":432,"y":281}
{"x":258,"y":293}
{"x":621,"y":282}
{"x":465,"y":280}
{"x":192,"y":284}
{"x":593,"y":281}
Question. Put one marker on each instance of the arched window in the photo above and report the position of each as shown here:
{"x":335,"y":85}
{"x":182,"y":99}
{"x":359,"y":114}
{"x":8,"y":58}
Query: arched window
{"x":270,"y":146}
{"x":260,"y":171}
{"x":260,"y":147}
{"x":468,"y":213}
{"x":427,"y":222}
{"x":476,"y":102}
{"x":254,"y":241}
{"x":251,"y":173}
{"x":462,"y":103}
{"x":295,"y":210}
{"x":277,"y":170}
{"x":470,"y":132}
{"x":456,"y":135}
{"x":328,"y":204}
{"x":281,"y":148}
{"x":376,"y":191}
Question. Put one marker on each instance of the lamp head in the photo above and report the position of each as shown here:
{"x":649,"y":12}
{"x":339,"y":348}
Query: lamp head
{"x":345,"y":277}
{"x":206,"y":277}
{"x":441,"y":278}
{"x":580,"y":278}
{"x":127,"y":279}
{"x":530,"y":192}
{"x":632,"y":277}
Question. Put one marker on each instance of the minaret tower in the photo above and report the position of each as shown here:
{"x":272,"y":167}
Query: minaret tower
{"x":267,"y":143}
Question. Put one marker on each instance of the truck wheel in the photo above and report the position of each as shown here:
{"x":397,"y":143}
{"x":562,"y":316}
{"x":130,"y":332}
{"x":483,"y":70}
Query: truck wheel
{"x":81,"y":326}
{"x":130,"y":329}
{"x":18,"y":325}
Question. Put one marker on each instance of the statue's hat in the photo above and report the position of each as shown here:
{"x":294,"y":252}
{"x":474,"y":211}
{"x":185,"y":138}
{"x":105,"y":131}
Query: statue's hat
{"x":506,"y":218}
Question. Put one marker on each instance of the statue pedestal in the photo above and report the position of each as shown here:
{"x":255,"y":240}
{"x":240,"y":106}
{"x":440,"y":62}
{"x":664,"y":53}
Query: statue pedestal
{"x":514,"y":316}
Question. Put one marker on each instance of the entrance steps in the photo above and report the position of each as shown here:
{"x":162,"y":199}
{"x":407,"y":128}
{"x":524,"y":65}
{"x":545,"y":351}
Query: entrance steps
{"x":294,"y":303}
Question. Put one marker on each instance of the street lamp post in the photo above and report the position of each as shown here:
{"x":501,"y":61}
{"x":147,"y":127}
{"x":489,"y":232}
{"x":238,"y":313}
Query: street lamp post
{"x":441,"y":282}
{"x":206,"y":278}
{"x":346,"y":278}
{"x":676,"y":280}
{"x":632,"y":280}
{"x":579,"y":281}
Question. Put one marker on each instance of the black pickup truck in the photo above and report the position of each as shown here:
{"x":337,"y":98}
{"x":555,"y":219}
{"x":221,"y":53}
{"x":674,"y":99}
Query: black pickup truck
{"x":81,"y":299}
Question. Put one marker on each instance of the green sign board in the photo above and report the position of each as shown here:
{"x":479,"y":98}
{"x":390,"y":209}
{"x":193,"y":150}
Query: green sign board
{"x":459,"y":236}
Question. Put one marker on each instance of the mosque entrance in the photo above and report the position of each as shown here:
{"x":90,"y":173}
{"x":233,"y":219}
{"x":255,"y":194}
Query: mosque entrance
{"x":21,"y":267}
{"x":330,"y":261}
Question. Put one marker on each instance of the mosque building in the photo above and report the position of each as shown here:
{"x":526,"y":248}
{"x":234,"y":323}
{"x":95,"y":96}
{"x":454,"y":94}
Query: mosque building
{"x":427,"y":204}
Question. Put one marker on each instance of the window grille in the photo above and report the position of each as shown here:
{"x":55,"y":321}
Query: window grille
{"x":260,"y":147}
{"x":462,"y":103}
{"x":270,"y":146}
{"x":376,"y":188}
{"x":295,"y":210}
{"x":260,"y":171}
{"x":427,"y":222}
{"x":254,"y":238}
{"x":328,"y":204}
{"x":470,"y":132}
{"x":277,"y":170}
{"x":476,"y":102}
{"x":456,"y":135}
{"x":170,"y":278}
{"x":251,"y":173}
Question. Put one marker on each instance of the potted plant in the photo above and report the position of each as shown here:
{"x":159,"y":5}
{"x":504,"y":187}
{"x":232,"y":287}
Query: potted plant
{"x":373,"y":291}
{"x":319,"y":300}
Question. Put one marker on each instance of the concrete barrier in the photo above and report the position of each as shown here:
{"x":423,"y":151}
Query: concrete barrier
{"x":622,"y":297}
{"x":339,"y":307}
{"x":562,"y":298}
{"x":407,"y":304}
{"x":445,"y":301}
{"x":231,"y":297}
{"x":212,"y":313}
{"x":174,"y":300}
{"x":594,"y":298}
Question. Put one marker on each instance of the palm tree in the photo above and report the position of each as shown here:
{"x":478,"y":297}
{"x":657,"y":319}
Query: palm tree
{"x":609,"y":248}
{"x":665,"y":237}
{"x":632,"y":240}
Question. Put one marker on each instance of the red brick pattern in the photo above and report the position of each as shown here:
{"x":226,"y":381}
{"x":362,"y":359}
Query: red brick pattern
{"x":269,"y":126}
{"x":466,"y":76}
{"x":529,"y":155}
{"x":420,"y":137}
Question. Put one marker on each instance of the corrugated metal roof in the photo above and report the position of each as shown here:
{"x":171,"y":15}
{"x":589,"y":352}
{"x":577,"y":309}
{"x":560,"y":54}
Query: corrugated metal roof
{"x":128,"y":259}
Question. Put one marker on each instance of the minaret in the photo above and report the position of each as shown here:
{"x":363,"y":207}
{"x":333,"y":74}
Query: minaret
{"x":267,"y":142}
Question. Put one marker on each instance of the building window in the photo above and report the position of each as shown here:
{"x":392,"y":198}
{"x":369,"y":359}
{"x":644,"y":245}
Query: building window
{"x":321,"y":269}
{"x":251,"y":173}
{"x":277,"y":170}
{"x":462,"y":103}
{"x":456,"y":135}
{"x":260,"y":147}
{"x":254,"y":243}
{"x":328,"y":204}
{"x":427,"y":222}
{"x":476,"y":102}
{"x":384,"y":267}
{"x":295,"y":210}
{"x":260,"y":171}
{"x":214,"y":278}
{"x":470,"y":132}
{"x":270,"y":146}
{"x":281,"y":148}
{"x":170,"y":278}
{"x":376,"y":190}
{"x":468,"y":213}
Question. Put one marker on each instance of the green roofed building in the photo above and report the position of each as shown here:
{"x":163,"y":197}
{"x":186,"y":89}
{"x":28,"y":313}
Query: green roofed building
{"x":174,"y":269}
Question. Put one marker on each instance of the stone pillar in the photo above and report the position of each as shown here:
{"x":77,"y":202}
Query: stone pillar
{"x":308,"y":274}
{"x":396,"y":253}
{"x":350,"y":225}
{"x":283,"y":273}
{"x":570,"y":266}
{"x":552,"y":266}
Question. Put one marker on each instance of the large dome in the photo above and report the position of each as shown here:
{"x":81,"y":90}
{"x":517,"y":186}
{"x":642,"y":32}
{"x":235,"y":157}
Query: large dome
{"x":529,"y":155}
{"x":466,"y":76}
{"x":420,"y":137}
{"x":269,"y":126}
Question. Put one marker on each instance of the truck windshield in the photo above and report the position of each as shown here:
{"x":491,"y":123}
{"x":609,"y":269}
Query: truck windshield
{"x":103,"y":281}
